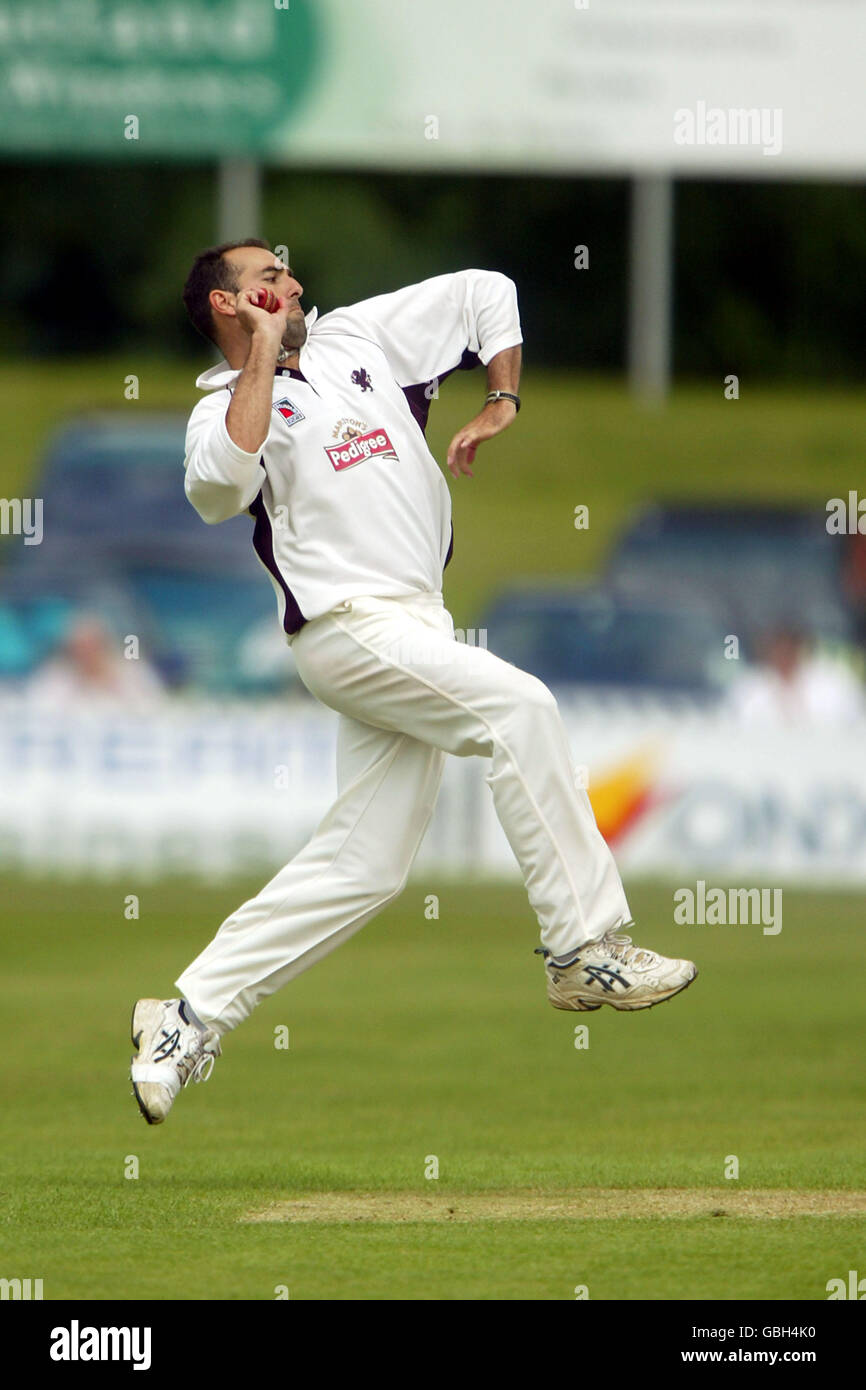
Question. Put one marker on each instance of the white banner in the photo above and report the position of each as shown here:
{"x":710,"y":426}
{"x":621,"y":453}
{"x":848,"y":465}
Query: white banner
{"x":764,"y":88}
{"x":211,"y":791}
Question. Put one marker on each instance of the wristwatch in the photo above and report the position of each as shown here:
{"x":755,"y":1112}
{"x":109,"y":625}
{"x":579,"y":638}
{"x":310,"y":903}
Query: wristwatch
{"x":503,"y":395}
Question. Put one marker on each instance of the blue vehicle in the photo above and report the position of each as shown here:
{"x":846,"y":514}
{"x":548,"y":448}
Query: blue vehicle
{"x":120,"y":540}
{"x":765,"y":566}
{"x":598,"y":637}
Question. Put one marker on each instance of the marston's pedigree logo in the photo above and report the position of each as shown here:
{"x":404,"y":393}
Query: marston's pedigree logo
{"x":374,"y":444}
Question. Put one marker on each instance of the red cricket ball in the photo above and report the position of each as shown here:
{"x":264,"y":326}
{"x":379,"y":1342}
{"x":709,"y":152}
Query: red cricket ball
{"x":264,"y":298}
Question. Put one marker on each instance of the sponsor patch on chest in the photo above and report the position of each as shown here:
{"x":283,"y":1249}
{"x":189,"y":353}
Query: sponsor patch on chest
{"x":290,"y":412}
{"x":374,"y":444}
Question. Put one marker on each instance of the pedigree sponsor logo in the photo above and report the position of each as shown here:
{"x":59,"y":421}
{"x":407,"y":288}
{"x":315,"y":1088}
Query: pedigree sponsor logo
{"x":373,"y":444}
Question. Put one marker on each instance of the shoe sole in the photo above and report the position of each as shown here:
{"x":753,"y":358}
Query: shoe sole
{"x":583,"y":1006}
{"x":136,"y":1042}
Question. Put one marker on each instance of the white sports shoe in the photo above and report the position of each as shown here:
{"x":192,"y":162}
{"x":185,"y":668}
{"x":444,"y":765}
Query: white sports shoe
{"x":614,"y":971}
{"x":172,"y":1052}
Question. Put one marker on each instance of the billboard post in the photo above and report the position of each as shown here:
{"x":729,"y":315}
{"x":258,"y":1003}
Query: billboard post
{"x":239,"y":202}
{"x":650,"y":292}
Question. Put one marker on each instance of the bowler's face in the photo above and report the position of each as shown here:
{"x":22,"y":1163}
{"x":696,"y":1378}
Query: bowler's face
{"x":258,"y":268}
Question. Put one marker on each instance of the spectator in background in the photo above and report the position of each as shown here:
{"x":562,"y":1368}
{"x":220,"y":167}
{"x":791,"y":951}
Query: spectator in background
{"x":91,"y":671}
{"x":793,"y":684}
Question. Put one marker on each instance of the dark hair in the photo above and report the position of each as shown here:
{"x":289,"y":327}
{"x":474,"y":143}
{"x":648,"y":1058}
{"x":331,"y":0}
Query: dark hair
{"x":212,"y":271}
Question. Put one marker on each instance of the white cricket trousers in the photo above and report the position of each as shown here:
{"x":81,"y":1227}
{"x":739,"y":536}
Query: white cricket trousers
{"x":407,"y":693}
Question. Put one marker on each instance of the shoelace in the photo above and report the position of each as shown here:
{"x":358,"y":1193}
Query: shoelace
{"x":199,"y":1070}
{"x":620,"y":946}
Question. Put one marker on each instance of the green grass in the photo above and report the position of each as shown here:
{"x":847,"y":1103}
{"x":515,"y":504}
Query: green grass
{"x":428,"y":1037}
{"x":422,"y":1037}
{"x":578,"y":440}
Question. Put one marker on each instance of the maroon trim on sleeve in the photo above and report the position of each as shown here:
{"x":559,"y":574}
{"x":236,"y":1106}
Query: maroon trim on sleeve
{"x":417,"y":397}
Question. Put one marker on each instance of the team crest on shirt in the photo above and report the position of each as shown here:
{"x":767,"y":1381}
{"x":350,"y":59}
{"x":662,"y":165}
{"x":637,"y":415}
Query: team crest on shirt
{"x":289,"y":411}
{"x":362,"y":379}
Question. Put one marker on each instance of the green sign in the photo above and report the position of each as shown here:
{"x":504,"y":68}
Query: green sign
{"x":151,"y":78}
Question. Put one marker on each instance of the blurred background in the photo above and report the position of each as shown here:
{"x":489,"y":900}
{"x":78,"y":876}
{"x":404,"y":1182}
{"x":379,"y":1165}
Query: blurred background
{"x":670,"y":535}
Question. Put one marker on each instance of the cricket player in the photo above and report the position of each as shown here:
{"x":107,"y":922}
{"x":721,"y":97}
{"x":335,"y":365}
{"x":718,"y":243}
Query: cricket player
{"x":315,"y":428}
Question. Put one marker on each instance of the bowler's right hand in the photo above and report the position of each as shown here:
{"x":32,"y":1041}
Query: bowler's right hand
{"x":260,"y":322}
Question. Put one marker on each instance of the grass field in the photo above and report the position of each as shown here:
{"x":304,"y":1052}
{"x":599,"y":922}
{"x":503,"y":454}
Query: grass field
{"x":578,"y":440}
{"x":425,"y":1038}
{"x":559,"y":1167}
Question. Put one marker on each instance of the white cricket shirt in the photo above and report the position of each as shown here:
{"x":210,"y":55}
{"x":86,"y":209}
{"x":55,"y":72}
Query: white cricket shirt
{"x":346,"y":496}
